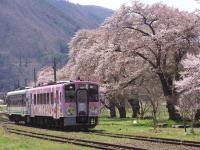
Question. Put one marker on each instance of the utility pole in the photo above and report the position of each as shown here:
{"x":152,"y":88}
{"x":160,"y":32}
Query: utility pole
{"x":54,"y":69}
{"x":18,"y":83}
{"x":26,"y":62}
{"x":34,"y":76}
{"x":20,"y":60}
{"x":26,"y":81}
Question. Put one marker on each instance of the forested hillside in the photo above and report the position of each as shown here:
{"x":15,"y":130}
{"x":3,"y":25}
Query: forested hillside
{"x":33,"y":31}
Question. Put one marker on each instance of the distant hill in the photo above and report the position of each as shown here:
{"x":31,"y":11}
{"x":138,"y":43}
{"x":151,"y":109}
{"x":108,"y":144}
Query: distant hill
{"x":33,"y":31}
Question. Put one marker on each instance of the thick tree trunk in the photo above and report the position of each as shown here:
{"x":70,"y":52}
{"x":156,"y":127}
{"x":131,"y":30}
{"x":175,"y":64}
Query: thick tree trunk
{"x":171,"y":98}
{"x":122,"y":111}
{"x":154,"y":119}
{"x":173,"y":112}
{"x":112,"y":110}
{"x":111,"y":107}
{"x":135,"y":106}
{"x":192,"y":125}
{"x":197,"y":115}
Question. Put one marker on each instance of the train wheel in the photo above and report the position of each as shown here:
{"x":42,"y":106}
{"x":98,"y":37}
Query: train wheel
{"x":28,"y":120}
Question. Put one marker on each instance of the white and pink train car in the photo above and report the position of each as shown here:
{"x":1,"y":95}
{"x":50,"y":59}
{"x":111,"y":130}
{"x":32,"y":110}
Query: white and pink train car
{"x":70,"y":103}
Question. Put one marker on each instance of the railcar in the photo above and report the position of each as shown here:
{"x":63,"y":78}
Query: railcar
{"x":17,"y":105}
{"x":64,"y":104}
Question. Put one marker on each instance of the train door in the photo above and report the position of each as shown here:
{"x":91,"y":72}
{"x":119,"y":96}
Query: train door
{"x":70,"y":100}
{"x":82,"y":102}
{"x":29,"y":98}
{"x":57,"y":103}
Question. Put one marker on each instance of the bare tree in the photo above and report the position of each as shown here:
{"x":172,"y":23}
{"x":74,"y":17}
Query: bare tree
{"x":151,"y":90}
{"x":189,"y":104}
{"x":145,"y":105}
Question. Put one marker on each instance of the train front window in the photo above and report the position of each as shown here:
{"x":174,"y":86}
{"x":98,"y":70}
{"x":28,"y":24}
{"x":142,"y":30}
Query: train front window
{"x":69,"y":92}
{"x":93,"y":93}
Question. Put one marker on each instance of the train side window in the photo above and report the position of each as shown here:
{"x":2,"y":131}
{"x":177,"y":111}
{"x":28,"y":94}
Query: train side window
{"x":42,"y":95}
{"x":60,"y":97}
{"x":69,"y":93}
{"x":38,"y":99}
{"x":93,"y":93}
{"x":10,"y":100}
{"x":23,"y":100}
{"x":57,"y":97}
{"x":51,"y":97}
{"x":31,"y":98}
{"x":35,"y":99}
{"x":47,"y":98}
{"x":42,"y":99}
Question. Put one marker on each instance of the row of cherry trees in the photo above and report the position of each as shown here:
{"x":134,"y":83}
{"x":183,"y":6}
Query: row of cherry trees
{"x":189,"y":87}
{"x":135,"y":52}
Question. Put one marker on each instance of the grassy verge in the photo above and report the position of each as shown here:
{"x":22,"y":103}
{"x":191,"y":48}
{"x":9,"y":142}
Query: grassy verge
{"x":117,"y":125}
{"x":15,"y":142}
{"x":2,"y":108}
{"x":144,"y":128}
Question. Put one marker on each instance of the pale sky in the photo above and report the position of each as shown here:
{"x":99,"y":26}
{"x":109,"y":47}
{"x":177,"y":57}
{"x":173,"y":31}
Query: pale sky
{"x":188,"y":5}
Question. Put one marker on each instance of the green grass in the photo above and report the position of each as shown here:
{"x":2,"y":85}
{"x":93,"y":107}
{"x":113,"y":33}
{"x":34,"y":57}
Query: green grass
{"x":2,"y":108}
{"x":145,"y":127}
{"x":123,"y":126}
{"x":15,"y":142}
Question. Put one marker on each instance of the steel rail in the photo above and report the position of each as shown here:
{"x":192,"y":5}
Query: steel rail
{"x":76,"y":141}
{"x":153,"y":139}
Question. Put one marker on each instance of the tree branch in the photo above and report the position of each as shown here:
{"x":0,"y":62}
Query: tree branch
{"x":146,"y":23}
{"x":139,"y":30}
{"x":145,"y":58}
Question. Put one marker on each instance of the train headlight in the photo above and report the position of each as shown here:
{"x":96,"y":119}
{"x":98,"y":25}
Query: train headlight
{"x":94,"y":110}
{"x":82,"y":107}
{"x":70,"y":111}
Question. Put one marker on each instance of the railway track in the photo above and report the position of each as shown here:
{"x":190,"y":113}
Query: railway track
{"x":153,"y":139}
{"x":76,"y":141}
{"x":98,"y":145}
{"x":4,"y":121}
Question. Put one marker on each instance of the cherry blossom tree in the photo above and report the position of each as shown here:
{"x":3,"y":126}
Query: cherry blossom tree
{"x":189,"y":88}
{"x":161,"y":36}
{"x":90,"y":60}
{"x":45,"y":75}
{"x":191,"y":74}
{"x":135,"y":38}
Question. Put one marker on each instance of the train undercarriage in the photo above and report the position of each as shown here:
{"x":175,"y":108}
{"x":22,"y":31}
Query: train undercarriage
{"x":80,"y":122}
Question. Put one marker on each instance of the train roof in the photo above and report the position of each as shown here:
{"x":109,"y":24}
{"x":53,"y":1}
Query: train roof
{"x":63,"y":82}
{"x":60,"y":83}
{"x":18,"y":92}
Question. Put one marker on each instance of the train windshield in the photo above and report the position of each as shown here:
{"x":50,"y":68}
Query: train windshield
{"x":81,"y":96}
{"x":16,"y":100}
{"x":70,"y":93}
{"x":93,"y":92}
